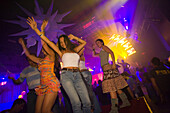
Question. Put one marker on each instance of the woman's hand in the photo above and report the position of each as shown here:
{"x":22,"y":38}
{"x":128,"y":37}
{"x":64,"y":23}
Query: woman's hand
{"x":71,"y":37}
{"x":21,"y":41}
{"x":44,"y":24}
{"x":114,"y":66}
{"x":32,"y":23}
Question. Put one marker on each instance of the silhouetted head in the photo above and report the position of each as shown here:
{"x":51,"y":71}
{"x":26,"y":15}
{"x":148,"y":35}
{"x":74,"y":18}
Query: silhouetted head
{"x":18,"y":105}
{"x":155,"y":61}
{"x":99,"y":82}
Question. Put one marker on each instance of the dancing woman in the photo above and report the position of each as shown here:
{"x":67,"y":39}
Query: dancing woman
{"x":70,"y":75}
{"x":88,"y":82}
{"x":49,"y":84}
{"x":112,"y":81}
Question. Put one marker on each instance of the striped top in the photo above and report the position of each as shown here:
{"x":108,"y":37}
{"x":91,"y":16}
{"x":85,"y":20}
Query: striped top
{"x":32,"y":75}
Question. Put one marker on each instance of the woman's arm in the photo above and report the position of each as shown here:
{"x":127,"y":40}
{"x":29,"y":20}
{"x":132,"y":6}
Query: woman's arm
{"x":33,"y":25}
{"x":108,"y":50}
{"x":45,"y":46}
{"x":27,"y":53}
{"x":82,"y":42}
{"x":15,"y":81}
{"x":80,"y":53}
{"x":94,"y":52}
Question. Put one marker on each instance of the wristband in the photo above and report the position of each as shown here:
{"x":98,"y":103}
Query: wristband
{"x":41,"y":35}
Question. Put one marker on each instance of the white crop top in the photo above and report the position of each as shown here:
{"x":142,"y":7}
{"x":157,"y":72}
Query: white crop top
{"x":70,"y":60}
{"x":82,"y":65}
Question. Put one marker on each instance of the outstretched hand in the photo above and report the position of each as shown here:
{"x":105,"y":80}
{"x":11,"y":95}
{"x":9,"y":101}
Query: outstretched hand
{"x":21,"y":41}
{"x":10,"y":77}
{"x":44,"y":24}
{"x":93,"y":46}
{"x":32,"y":23}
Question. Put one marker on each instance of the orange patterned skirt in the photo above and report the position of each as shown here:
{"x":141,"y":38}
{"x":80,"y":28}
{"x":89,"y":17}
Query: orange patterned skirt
{"x":49,"y":84}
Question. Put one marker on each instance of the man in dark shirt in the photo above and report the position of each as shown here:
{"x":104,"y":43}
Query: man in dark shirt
{"x":160,"y":78}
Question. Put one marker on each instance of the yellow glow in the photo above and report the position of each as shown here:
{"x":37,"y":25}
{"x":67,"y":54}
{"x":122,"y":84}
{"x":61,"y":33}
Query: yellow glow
{"x":20,"y":96}
{"x":120,"y":46}
{"x":90,"y":69}
{"x":128,"y":47}
{"x":61,"y":64}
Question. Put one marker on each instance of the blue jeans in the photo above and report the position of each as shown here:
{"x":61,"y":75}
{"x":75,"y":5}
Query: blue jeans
{"x":74,"y":86}
{"x":87,"y":76}
{"x":88,"y":79}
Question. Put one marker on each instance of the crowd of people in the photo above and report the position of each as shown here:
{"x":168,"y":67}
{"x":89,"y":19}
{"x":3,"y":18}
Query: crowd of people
{"x":45,"y":78}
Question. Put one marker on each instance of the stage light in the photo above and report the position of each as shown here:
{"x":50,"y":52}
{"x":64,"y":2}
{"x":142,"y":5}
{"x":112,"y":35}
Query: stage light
{"x":123,"y":47}
{"x":3,"y":80}
{"x":3,"y":83}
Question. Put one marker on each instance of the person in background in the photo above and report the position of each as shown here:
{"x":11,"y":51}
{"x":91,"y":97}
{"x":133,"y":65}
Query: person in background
{"x":87,"y":77}
{"x":132,"y":85}
{"x":32,"y":76}
{"x":151,"y":92}
{"x":104,"y":98}
{"x":113,"y":82}
{"x":125,"y":66}
{"x":160,"y":79}
{"x":19,"y":106}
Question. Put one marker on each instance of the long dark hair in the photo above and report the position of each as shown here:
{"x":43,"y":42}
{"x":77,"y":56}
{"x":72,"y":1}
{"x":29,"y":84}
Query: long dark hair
{"x":67,"y":42}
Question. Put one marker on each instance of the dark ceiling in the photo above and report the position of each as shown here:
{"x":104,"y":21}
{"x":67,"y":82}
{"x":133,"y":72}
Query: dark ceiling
{"x":82,"y":10}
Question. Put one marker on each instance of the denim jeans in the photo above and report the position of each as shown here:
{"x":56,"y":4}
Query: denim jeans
{"x":88,"y":79}
{"x":74,"y":86}
{"x":31,"y":101}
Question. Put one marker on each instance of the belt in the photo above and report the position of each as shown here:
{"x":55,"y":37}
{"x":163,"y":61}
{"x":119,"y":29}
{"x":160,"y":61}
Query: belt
{"x":72,"y":70}
{"x":32,"y":90}
{"x":83,"y":70}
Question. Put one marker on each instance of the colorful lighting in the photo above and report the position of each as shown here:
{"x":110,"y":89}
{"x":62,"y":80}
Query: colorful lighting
{"x":3,"y":83}
{"x":20,"y":96}
{"x":123,"y":47}
{"x":90,"y":69}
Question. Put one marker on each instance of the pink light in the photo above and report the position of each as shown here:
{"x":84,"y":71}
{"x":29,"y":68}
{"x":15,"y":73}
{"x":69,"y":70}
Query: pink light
{"x":88,"y":24}
{"x":97,"y":77}
{"x":3,"y":83}
{"x":23,"y":93}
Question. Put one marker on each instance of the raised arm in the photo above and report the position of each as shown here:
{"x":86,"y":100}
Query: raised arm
{"x":45,"y":46}
{"x":82,"y":42}
{"x":27,"y":53}
{"x":94,"y":52}
{"x":33,"y":25}
{"x":81,"y":52}
{"x":108,"y":50}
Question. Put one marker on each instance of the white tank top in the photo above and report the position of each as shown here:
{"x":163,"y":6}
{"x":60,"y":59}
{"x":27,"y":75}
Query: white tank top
{"x":82,"y":65}
{"x":70,"y":60}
